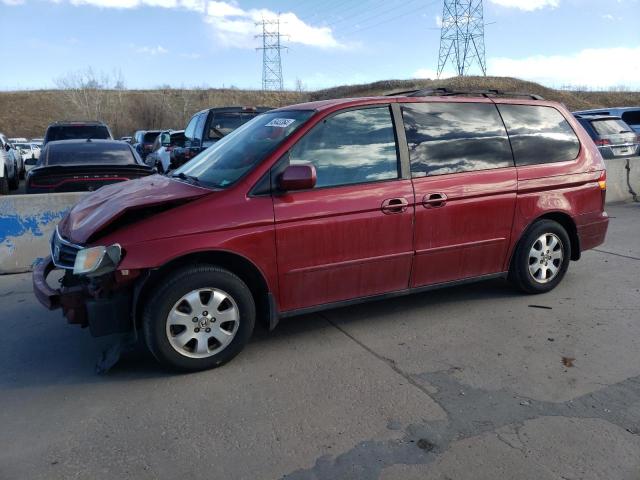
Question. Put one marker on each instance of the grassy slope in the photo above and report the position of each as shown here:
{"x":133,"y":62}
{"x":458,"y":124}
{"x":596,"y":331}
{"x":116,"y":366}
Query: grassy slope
{"x":28,"y":113}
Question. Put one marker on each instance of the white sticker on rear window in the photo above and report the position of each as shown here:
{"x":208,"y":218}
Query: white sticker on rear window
{"x":280,"y":122}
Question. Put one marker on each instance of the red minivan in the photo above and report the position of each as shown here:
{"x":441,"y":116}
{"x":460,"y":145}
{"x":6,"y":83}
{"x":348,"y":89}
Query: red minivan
{"x":324,"y":204}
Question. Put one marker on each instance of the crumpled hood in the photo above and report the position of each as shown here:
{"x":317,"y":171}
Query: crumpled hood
{"x":101,"y":208}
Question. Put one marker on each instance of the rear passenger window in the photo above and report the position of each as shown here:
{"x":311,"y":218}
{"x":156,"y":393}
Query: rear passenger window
{"x":539,"y":134}
{"x":356,"y":146}
{"x":455,"y":137}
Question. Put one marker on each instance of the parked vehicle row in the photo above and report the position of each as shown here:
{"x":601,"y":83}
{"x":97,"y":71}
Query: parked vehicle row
{"x":325,"y":204}
{"x":12,"y":167}
{"x":614,"y":137}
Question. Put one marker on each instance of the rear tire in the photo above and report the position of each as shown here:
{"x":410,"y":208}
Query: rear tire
{"x":541,"y":258}
{"x":4,"y":186}
{"x":14,"y":183}
{"x":200,"y":317}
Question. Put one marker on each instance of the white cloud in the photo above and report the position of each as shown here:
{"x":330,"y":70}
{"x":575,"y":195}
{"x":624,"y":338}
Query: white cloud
{"x":231,"y":24}
{"x":234,"y":26}
{"x":195,"y":5}
{"x":527,"y":5}
{"x":590,"y":67}
{"x":157,"y":50}
{"x":13,"y":2}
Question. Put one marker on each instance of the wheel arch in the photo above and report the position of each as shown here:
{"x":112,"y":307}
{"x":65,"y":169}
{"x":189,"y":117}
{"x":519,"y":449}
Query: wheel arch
{"x":241,"y":266}
{"x":567,"y":223}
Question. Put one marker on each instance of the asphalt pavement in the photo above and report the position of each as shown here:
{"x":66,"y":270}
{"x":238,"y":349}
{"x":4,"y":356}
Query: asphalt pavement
{"x":474,"y":382}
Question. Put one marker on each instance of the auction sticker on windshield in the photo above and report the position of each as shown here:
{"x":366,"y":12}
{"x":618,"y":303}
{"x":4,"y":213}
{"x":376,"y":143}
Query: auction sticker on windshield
{"x":280,"y":122}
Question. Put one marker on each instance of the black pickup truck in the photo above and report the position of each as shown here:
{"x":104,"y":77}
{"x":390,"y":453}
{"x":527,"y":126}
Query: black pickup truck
{"x":208,"y":126}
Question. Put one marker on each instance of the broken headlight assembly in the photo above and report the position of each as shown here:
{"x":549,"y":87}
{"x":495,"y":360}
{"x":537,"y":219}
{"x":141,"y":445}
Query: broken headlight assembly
{"x":96,"y":261}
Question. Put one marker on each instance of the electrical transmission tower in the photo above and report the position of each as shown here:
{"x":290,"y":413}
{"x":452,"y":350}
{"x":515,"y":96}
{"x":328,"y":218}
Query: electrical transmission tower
{"x":271,"y":58}
{"x":462,"y":36}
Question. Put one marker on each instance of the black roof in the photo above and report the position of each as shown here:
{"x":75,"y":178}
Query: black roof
{"x":596,"y":117}
{"x":235,"y":109}
{"x":78,"y":122}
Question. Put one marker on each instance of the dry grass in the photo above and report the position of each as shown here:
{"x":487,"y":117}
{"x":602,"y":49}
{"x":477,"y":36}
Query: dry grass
{"x":28,"y":113}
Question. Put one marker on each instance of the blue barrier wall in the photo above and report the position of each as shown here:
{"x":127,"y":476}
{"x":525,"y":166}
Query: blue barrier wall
{"x":26,"y":225}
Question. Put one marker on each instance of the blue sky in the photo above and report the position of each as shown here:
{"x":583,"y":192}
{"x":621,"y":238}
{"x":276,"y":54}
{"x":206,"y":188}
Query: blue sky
{"x":331,"y":42}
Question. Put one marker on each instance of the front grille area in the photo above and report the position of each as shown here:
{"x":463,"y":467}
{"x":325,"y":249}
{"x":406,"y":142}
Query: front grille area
{"x":63,"y":252}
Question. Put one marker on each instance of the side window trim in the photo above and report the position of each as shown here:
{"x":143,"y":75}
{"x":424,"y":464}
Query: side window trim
{"x":513,"y":155}
{"x":401,"y":141}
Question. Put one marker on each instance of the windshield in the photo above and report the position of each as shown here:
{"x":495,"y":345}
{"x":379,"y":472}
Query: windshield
{"x":226,"y":122}
{"x":239,"y":152}
{"x":22,"y":146}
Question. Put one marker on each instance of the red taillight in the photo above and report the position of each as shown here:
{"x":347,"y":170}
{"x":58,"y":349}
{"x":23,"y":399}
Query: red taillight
{"x":603,"y":142}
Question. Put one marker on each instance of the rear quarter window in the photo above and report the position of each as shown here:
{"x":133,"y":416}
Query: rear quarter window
{"x":448,"y":138}
{"x":539,"y":134}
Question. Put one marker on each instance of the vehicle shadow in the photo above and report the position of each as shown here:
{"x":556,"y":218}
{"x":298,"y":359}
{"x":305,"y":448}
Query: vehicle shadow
{"x":69,"y":355}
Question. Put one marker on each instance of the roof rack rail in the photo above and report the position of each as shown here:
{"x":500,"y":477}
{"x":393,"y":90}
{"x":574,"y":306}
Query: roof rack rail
{"x":447,"y":92}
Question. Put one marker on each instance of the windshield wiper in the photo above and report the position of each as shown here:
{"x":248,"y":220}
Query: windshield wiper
{"x":189,"y":178}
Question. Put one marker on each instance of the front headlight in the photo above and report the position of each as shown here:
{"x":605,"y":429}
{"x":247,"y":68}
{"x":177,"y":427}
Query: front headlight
{"x":96,"y":261}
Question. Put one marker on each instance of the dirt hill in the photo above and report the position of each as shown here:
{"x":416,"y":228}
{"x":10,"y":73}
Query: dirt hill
{"x":27,"y":113}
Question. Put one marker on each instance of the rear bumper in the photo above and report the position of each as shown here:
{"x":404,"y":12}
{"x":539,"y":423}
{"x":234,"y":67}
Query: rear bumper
{"x":593,"y":234}
{"x":103,"y":315}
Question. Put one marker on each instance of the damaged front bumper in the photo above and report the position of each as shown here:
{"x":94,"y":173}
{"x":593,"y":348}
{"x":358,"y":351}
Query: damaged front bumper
{"x":102,"y":304}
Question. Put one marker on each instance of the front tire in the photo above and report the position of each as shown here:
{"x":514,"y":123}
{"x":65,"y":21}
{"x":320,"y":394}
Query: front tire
{"x":201,"y":317}
{"x":541,"y":258}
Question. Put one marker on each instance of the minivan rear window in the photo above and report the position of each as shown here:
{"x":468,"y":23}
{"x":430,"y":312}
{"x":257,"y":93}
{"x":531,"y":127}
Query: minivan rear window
{"x":539,"y":134}
{"x":455,"y":137}
{"x":610,"y":127}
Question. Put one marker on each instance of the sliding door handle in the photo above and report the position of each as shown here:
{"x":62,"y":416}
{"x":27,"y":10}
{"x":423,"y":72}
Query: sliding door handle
{"x":434,"y":200}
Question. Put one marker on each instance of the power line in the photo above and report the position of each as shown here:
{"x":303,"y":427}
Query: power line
{"x":462,"y":36}
{"x":271,"y":59}
{"x":387,"y":20}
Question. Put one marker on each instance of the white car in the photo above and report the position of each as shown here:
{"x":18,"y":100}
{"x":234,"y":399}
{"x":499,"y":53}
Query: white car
{"x":160,"y":156}
{"x":30,"y":154}
{"x":9,"y":174}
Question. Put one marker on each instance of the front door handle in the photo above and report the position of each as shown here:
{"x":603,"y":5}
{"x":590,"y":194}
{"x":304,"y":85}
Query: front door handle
{"x":395,"y":205}
{"x":434,"y":200}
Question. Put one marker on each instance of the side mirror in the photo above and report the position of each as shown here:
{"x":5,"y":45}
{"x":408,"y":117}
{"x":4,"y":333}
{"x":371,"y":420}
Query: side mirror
{"x":7,"y":147}
{"x":298,"y":177}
